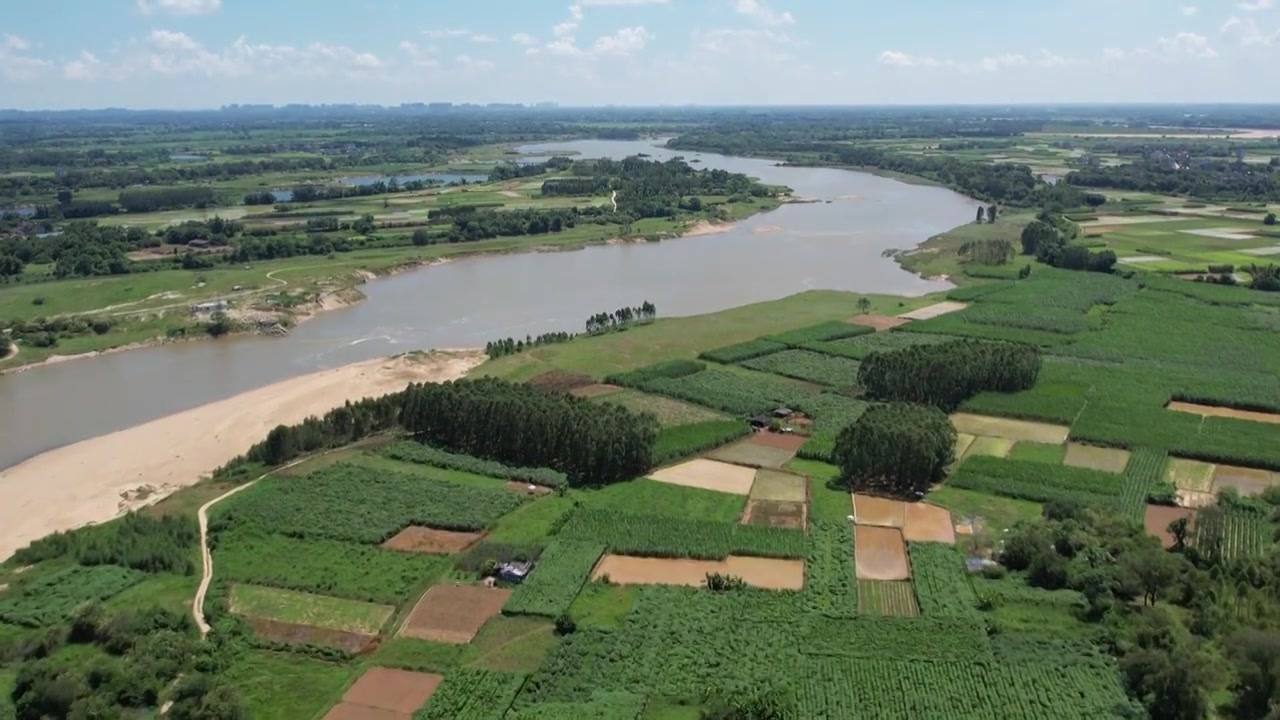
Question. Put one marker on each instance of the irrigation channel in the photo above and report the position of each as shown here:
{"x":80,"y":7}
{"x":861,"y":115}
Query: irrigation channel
{"x":835,"y":243}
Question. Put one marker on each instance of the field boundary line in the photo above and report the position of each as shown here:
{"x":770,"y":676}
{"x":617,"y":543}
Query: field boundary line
{"x":206,"y":557}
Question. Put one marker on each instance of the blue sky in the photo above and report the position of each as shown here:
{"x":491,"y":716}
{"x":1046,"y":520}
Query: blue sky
{"x":205,"y":53}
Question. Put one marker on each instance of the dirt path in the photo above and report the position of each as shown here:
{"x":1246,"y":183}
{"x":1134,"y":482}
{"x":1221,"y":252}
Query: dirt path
{"x":614,"y":199}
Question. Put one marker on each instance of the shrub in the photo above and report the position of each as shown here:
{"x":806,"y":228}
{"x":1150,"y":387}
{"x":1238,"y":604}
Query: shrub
{"x":896,"y":447}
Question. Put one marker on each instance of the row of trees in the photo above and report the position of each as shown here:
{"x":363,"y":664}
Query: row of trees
{"x":948,"y":374}
{"x":592,"y":443}
{"x":337,"y":427}
{"x":897,"y":448}
{"x":511,"y":346}
{"x":621,"y":319}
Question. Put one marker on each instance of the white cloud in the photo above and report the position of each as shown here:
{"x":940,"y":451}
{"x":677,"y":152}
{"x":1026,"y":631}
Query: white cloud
{"x":420,"y":57}
{"x":895,"y":58}
{"x":991,"y":64}
{"x":762,"y":14}
{"x":483,"y":39}
{"x":14,"y":64}
{"x":624,"y":42}
{"x":13,"y":43}
{"x":756,"y":43}
{"x":466,"y":62}
{"x":524,"y":39}
{"x":87,"y":67}
{"x":1190,"y":10}
{"x":1184,"y":45}
{"x":1248,"y":32}
{"x":1255,"y":5}
{"x":179,"y":7}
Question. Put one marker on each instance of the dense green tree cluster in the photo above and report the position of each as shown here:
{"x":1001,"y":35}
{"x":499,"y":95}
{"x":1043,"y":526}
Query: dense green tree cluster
{"x":1202,"y":179}
{"x":946,"y":375}
{"x":515,"y":171}
{"x":592,"y":443}
{"x":987,"y":252}
{"x":342,"y":425}
{"x":80,"y":249}
{"x":898,"y":448}
{"x":138,"y":200}
{"x":141,"y":542}
{"x":49,"y":331}
{"x":1049,"y":238}
{"x":484,"y":224}
{"x":621,"y":318}
{"x":648,"y":188}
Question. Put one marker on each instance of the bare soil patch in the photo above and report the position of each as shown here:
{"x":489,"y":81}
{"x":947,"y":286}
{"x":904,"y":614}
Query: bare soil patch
{"x":779,"y":486}
{"x":868,"y":510}
{"x":1016,"y":430}
{"x":453,"y":613}
{"x":522,"y":487}
{"x":1157,"y":521}
{"x":773,"y":513}
{"x":1221,"y":233}
{"x":928,"y":523}
{"x":753,"y":455}
{"x":879,"y":322}
{"x":781,"y":441}
{"x":1194,"y":499}
{"x":389,"y":689}
{"x":351,"y":711}
{"x":708,"y":475}
{"x":594,"y":390}
{"x":415,"y":539}
{"x":308,"y":635}
{"x":1096,"y":458}
{"x":1249,"y":481}
{"x":561,"y":381}
{"x":880,"y":554}
{"x":1216,"y":411}
{"x":767,"y":573}
{"x":935,"y":310}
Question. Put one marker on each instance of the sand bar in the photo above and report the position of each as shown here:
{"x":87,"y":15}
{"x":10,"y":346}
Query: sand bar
{"x":85,"y":482}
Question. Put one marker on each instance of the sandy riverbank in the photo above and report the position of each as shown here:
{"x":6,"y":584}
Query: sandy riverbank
{"x":97,"y":479}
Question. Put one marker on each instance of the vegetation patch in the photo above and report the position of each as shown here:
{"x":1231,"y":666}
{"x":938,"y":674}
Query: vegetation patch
{"x":1010,"y":429}
{"x":753,"y":455}
{"x":603,"y":606}
{"x":1096,"y":458}
{"x":682,"y":441}
{"x":989,"y":447}
{"x":472,"y":694}
{"x":1038,"y":452}
{"x":671,"y":500}
{"x":1190,"y":474}
{"x":453,"y":613}
{"x":299,"y":608}
{"x":821,"y":332}
{"x":943,"y":585}
{"x":51,"y":598}
{"x":764,"y":573}
{"x":657,"y":535}
{"x":733,"y":354}
{"x":560,"y":572}
{"x":830,"y":370}
{"x":510,"y":644}
{"x":669,"y":412}
{"x":1037,"y":482}
{"x":776,"y":514}
{"x":779,"y":486}
{"x":864,"y":346}
{"x":879,"y":597}
{"x":349,"y":502}
{"x":434,"y":457}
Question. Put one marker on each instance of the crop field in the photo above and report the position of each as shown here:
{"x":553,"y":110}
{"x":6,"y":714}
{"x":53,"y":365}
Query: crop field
{"x":1146,"y":468}
{"x":988,"y":446}
{"x":288,"y":606}
{"x":672,"y":500}
{"x":1186,"y":244}
{"x":416,"y":452}
{"x":1015,"y":430}
{"x":753,"y":455}
{"x":739,"y":352}
{"x":1037,"y":482}
{"x":708,"y":475}
{"x":560,"y":573}
{"x":731,"y":392}
{"x":668,"y":411}
{"x":830,"y":370}
{"x":1096,"y":458}
{"x":55,"y":597}
{"x":348,"y":502}
{"x":943,"y":586}
{"x":871,"y":510}
{"x":657,"y":535}
{"x":1038,"y":452}
{"x":822,"y":332}
{"x":779,"y":486}
{"x":472,"y":694}
{"x":880,"y":554}
{"x":861,"y":346}
{"x":682,"y":441}
{"x":387,"y":689}
{"x":1240,"y":534}
{"x":1191,"y":474}
{"x":430,"y":541}
{"x":764,"y":573}
{"x":877,"y":597}
{"x":453,"y":613}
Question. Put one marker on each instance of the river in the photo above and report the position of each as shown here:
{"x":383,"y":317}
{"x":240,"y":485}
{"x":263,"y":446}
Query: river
{"x":833,"y":244}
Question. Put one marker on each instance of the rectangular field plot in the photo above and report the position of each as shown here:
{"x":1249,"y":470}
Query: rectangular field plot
{"x":274,"y":631}
{"x":594,"y":390}
{"x":453,"y":613}
{"x":1096,"y":458}
{"x":397,"y":691}
{"x":1190,"y":474}
{"x":935,"y":310}
{"x":876,"y":597}
{"x":415,"y":539}
{"x":880,"y":554}
{"x":708,"y":475}
{"x":878,"y":322}
{"x":1235,"y":533}
{"x":1216,"y":411}
{"x":753,"y":455}
{"x":779,"y":486}
{"x":299,"y":608}
{"x":869,"y":510}
{"x":928,"y":523}
{"x":1016,"y":430}
{"x":1038,"y":452}
{"x":810,"y":366}
{"x":362,"y":504}
{"x":989,"y":446}
{"x":1249,"y":481}
{"x":667,"y":410}
{"x":781,"y":441}
{"x":766,"y":573}
{"x":772,"y":513}
{"x":1156,"y":520}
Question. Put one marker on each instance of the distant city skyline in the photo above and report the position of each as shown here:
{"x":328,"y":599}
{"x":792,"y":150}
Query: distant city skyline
{"x":200,"y":54}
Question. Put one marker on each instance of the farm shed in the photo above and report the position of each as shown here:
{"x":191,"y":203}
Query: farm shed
{"x":514,"y":571}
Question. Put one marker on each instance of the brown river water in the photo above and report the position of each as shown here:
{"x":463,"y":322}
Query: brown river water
{"x":833,"y":245}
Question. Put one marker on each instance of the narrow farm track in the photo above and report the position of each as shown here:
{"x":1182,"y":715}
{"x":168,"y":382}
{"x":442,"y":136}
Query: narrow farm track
{"x":614,"y":199}
{"x":206,"y":557}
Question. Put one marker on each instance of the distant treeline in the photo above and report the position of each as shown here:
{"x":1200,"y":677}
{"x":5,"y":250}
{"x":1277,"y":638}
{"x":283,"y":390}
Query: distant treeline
{"x":597,"y":324}
{"x":515,"y":171}
{"x":1202,"y":179}
{"x":648,"y":188}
